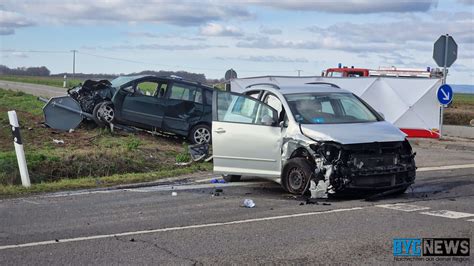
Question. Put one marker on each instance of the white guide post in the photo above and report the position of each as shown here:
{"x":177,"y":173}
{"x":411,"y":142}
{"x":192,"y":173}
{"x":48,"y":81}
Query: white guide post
{"x":20,"y":153}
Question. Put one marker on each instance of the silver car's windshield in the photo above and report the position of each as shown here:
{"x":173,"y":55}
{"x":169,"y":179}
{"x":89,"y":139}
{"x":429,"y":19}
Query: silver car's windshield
{"x":329,"y":108}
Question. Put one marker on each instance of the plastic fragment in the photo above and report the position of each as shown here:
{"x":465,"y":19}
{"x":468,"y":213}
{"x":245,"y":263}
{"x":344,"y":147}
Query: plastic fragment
{"x":174,"y":194}
{"x":248,"y":203}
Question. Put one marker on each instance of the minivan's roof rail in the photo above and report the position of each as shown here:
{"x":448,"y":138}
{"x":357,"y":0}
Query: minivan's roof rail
{"x":264,"y":84}
{"x":324,"y":83}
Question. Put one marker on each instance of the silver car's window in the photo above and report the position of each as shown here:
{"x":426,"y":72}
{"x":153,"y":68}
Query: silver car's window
{"x":329,"y":108}
{"x":240,"y":109}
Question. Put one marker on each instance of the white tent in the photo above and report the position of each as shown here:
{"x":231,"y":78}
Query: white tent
{"x":408,"y":103}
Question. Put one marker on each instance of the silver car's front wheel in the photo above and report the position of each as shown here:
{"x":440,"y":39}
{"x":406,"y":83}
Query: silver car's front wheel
{"x":200,"y":134}
{"x":296,"y":175}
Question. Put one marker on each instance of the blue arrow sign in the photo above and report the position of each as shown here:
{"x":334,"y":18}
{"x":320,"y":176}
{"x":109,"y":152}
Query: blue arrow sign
{"x":445,"y":94}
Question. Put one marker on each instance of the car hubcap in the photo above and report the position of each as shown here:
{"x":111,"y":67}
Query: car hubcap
{"x":106,"y":113}
{"x":202,"y":135}
{"x":296,"y":179}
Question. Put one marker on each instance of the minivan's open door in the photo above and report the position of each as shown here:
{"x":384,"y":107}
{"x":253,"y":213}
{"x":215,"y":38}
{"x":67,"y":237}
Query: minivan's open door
{"x":245,"y":135}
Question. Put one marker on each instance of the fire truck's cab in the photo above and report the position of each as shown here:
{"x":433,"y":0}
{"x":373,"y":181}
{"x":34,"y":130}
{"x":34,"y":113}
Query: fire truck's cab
{"x":383,"y":72}
{"x":346,"y":72}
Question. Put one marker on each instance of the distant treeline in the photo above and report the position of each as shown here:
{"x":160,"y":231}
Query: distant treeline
{"x":25,"y":71}
{"x":44,"y":71}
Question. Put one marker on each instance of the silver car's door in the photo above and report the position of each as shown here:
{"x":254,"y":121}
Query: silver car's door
{"x":246,"y":139}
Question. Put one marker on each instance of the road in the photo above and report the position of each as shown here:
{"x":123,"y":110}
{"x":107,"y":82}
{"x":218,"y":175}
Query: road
{"x":150,"y":226}
{"x":34,"y":89}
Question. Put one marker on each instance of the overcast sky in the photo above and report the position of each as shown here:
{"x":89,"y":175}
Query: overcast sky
{"x":254,"y":37}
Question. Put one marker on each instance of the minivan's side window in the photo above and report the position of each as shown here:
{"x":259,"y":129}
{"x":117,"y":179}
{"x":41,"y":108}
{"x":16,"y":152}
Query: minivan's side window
{"x":240,"y":109}
{"x":147,"y":87}
{"x":182,"y":92}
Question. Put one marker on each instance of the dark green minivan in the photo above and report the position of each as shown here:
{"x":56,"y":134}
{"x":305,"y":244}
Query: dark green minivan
{"x":167,"y":104}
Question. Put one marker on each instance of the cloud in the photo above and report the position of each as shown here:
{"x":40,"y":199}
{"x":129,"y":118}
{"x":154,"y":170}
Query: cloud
{"x":266,"y":59}
{"x":181,"y":13}
{"x":321,"y":43}
{"x":270,"y":31}
{"x":351,"y":6}
{"x":154,"y":46}
{"x":213,"y":29}
{"x":466,"y":2}
{"x":9,"y":21}
{"x":13,"y":54}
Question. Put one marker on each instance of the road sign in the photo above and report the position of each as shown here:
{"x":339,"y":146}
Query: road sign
{"x":230,"y":74}
{"x":445,"y":94}
{"x":445,"y":51}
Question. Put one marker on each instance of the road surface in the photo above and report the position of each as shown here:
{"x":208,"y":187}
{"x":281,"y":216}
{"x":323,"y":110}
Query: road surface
{"x":34,"y":89}
{"x":150,"y":226}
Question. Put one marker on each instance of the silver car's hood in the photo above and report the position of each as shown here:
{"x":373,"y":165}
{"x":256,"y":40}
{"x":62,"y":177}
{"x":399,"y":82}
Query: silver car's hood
{"x":353,"y":133}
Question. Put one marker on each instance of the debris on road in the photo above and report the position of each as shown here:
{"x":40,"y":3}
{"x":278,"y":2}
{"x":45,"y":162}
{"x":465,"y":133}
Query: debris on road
{"x":215,"y":181}
{"x":174,"y":194}
{"x":248,"y":203}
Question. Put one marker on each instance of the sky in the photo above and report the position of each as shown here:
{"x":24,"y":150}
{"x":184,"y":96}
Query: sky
{"x":254,"y":37}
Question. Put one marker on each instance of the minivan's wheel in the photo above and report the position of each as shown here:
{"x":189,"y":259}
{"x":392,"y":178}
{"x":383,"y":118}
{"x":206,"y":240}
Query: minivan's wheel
{"x":231,"y":178}
{"x":104,"y":113}
{"x":200,"y":134}
{"x":296,"y":174}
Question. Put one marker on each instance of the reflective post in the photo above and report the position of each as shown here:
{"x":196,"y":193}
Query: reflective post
{"x":20,"y":153}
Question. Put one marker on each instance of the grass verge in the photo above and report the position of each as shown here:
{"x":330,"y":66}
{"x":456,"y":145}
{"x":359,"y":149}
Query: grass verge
{"x":99,"y":182}
{"x":89,"y":157}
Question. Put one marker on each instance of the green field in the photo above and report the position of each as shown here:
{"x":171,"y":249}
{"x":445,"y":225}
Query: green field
{"x":463,"y":99}
{"x":50,"y":81}
{"x":89,"y":157}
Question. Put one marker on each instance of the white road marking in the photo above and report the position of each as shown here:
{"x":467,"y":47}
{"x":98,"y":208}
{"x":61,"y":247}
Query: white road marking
{"x":32,"y":202}
{"x":197,"y":226}
{"x":472,"y":220}
{"x":445,"y":167}
{"x":448,"y":214}
{"x":403,"y":207}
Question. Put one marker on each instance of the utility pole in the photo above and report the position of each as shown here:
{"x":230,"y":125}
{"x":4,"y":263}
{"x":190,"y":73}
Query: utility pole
{"x":73,"y":63}
{"x":299,"y":72}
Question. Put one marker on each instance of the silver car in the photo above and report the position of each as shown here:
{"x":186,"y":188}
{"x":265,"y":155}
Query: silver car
{"x":316,"y":136}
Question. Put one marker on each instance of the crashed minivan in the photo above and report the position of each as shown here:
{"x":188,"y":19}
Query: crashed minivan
{"x":316,"y":135}
{"x":165,"y":104}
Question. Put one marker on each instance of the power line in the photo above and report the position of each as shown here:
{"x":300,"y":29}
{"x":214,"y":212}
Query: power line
{"x":139,"y":62}
{"x":32,"y":51}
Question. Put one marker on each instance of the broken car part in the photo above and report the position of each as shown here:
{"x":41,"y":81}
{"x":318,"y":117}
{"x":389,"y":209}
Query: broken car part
{"x":63,"y":113}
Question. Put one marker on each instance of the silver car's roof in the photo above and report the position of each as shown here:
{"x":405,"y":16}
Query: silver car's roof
{"x":306,"y":88}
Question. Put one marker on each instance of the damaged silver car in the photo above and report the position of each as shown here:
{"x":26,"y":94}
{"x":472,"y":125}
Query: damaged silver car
{"x":315,"y":137}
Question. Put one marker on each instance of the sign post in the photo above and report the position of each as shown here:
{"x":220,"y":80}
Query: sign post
{"x":445,"y":52}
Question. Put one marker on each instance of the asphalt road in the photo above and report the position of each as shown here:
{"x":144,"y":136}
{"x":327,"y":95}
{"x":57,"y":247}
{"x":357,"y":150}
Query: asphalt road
{"x":150,"y":226}
{"x":34,"y":89}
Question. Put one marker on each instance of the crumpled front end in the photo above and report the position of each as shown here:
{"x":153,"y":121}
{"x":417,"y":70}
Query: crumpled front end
{"x":378,"y":166}
{"x":91,"y":93}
